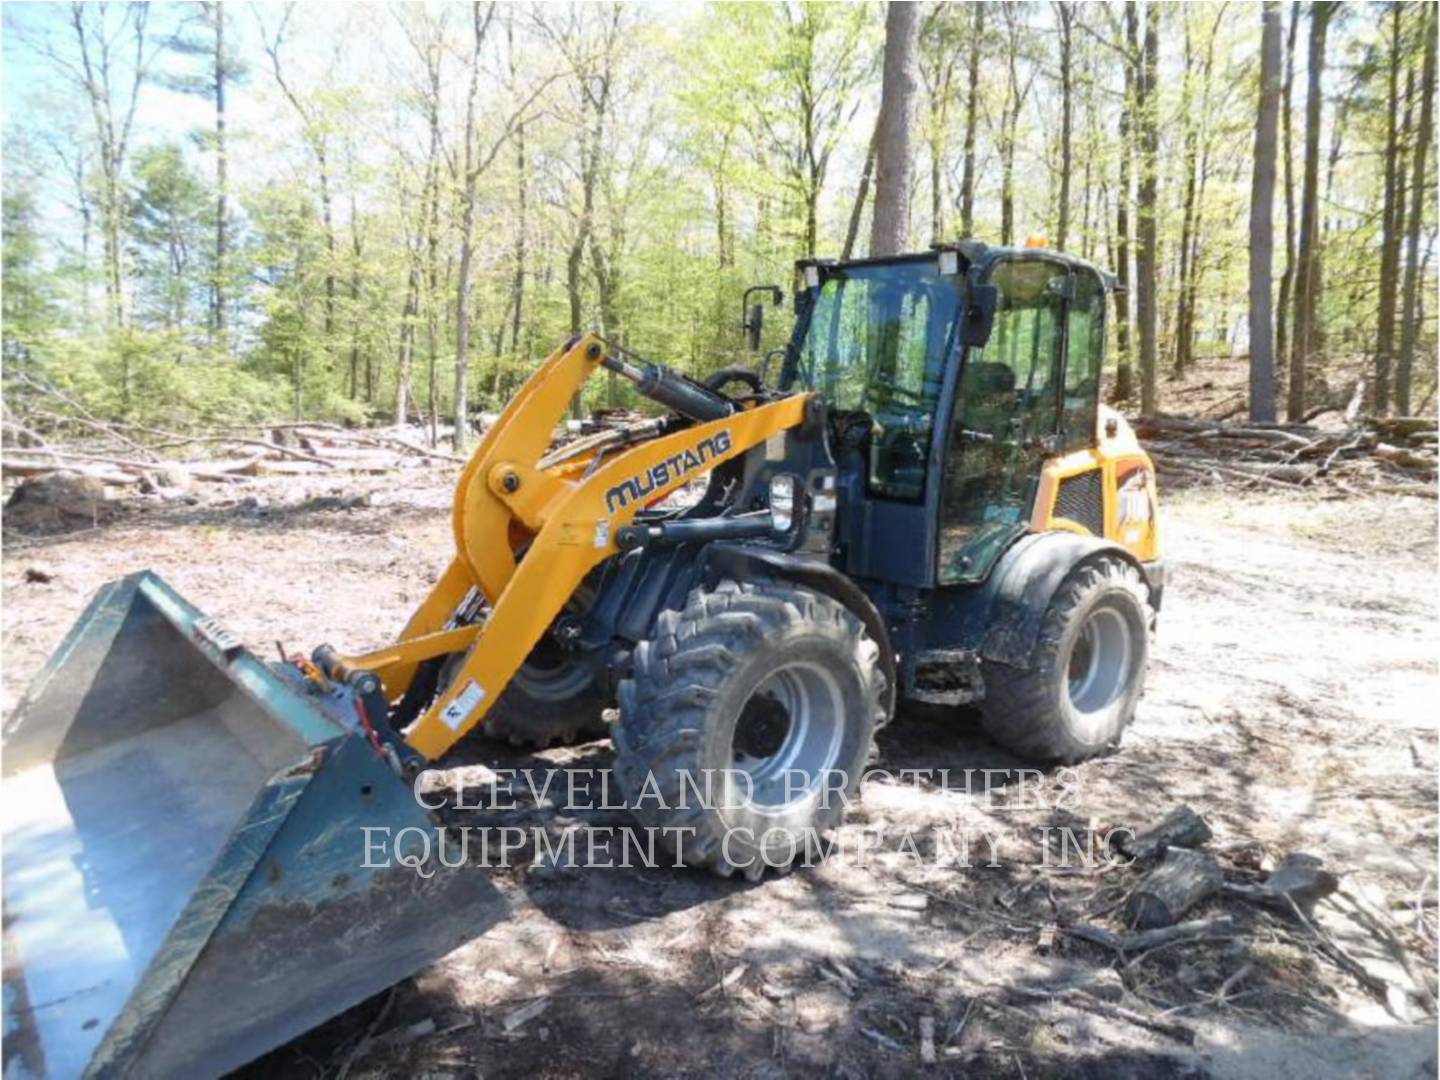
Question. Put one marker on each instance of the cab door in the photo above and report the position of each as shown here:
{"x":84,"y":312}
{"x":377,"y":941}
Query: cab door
{"x":1005,"y":419}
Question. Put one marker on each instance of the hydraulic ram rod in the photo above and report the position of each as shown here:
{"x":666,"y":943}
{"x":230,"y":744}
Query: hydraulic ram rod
{"x":674,"y":391}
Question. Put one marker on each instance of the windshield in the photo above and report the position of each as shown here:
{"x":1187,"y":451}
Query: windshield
{"x":876,"y":342}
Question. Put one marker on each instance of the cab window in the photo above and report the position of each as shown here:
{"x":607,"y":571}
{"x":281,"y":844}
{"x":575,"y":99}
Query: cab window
{"x":876,"y":343}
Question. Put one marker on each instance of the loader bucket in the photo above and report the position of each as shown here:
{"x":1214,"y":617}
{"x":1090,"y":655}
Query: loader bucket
{"x":185,"y":870}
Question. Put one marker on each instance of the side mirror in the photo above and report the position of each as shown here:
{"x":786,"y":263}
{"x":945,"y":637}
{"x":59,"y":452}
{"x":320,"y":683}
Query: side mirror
{"x":984,"y":301}
{"x":753,"y":321}
{"x":754,"y":324}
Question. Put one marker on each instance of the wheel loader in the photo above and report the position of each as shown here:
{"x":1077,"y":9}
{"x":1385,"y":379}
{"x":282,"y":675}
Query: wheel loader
{"x":919,"y":498}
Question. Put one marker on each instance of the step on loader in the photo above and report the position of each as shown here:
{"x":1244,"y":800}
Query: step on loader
{"x":926,"y":502}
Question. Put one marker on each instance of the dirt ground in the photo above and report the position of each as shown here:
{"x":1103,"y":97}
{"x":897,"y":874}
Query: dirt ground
{"x":1291,"y":701}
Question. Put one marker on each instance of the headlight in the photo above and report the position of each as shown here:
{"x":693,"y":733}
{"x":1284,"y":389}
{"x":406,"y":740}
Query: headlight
{"x":782,"y":501}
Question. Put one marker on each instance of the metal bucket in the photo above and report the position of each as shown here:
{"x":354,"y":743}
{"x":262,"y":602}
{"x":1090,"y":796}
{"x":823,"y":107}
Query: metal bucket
{"x":185,"y":878}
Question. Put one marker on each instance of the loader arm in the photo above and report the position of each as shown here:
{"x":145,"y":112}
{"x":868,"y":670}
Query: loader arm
{"x":560,"y":522}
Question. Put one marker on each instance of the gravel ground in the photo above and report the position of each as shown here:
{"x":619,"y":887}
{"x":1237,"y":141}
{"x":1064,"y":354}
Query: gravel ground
{"x":1290,"y":701}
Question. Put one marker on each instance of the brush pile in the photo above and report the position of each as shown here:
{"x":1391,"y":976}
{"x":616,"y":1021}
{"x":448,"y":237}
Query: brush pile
{"x":1369,"y":455}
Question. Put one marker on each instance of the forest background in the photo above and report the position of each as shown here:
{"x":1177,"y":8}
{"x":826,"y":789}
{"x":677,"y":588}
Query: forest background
{"x":226,"y":213}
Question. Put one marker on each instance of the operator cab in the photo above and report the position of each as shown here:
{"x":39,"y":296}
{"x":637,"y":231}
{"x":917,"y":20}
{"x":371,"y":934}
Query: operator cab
{"x":951,"y":377}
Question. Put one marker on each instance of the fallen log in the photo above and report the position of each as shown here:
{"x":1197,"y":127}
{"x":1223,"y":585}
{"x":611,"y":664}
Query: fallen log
{"x":67,"y":461}
{"x":1141,"y":940}
{"x":23,"y":469}
{"x":1406,"y":459}
{"x":1181,"y":827}
{"x":1403,"y":427}
{"x":1184,"y":879}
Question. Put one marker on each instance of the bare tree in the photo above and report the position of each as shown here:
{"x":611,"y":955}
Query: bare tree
{"x":1196,"y":109}
{"x":1287,"y":149}
{"x":972,"y":109}
{"x":1146,"y":259}
{"x":1125,"y":369}
{"x":316,"y":133}
{"x":1307,"y":290}
{"x":204,"y":36}
{"x":1390,"y":241}
{"x":1010,"y":121}
{"x":1262,"y":223}
{"x":1064,"y":16}
{"x":223,"y":72}
{"x":481,"y":17}
{"x":1410,"y":319}
{"x":106,"y":37}
{"x":862,"y":193}
{"x":938,"y":57}
{"x":475,"y":159}
{"x":890,"y":226}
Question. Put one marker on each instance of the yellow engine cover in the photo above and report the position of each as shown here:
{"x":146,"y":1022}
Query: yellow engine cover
{"x":1106,"y":490}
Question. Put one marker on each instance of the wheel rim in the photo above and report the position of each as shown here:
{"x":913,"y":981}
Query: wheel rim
{"x":788,"y":735}
{"x":551,"y":672}
{"x":1101,"y":660}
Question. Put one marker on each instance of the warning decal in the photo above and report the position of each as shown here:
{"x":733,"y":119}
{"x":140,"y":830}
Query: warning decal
{"x":465,"y":703}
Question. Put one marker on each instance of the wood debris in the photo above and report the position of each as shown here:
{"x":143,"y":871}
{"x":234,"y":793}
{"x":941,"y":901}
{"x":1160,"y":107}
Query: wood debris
{"x":1385,"y":455}
{"x":1184,"y":879}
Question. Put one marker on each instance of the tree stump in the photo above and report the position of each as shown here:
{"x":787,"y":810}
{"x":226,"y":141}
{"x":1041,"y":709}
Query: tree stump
{"x":1173,"y":888}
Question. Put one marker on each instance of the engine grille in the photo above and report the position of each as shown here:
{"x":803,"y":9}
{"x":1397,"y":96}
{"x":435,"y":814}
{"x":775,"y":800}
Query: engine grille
{"x":1081,"y":499}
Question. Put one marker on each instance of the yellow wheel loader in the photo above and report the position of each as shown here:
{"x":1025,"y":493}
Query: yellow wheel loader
{"x":927,"y":502}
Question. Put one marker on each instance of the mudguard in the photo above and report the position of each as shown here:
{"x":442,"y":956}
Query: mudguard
{"x":739,"y":561}
{"x":1018,"y":591}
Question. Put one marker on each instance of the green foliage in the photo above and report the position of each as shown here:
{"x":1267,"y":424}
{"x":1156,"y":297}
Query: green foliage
{"x":731,"y":142}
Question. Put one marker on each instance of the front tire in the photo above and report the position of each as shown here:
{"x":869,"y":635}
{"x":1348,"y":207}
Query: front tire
{"x":747,"y":723}
{"x":1079,"y":691}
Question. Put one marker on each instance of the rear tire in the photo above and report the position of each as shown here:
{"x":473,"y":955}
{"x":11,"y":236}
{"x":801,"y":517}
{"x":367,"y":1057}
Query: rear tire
{"x":548,"y":705}
{"x":768,"y":691}
{"x":552,"y":700}
{"x":1079,"y":691}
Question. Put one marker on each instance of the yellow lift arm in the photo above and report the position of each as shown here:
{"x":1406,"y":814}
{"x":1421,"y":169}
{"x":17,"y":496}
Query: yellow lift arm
{"x":566,"y":521}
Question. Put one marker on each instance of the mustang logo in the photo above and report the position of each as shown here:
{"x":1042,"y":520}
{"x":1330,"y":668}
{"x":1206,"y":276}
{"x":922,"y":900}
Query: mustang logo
{"x":667,"y":471}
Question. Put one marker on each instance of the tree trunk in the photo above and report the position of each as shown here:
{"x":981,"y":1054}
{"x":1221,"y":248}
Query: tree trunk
{"x":1307,"y":299}
{"x":355,"y":252}
{"x":463,"y":287}
{"x":1124,"y":369}
{"x":1262,"y":223}
{"x":405,"y":366}
{"x":1147,"y":259}
{"x":222,"y":189}
{"x":1390,"y":242}
{"x":112,"y":137}
{"x":327,"y":218}
{"x":937,"y":177}
{"x":1175,"y":886}
{"x":522,"y":226}
{"x":1065,"y":14}
{"x":1007,"y":175}
{"x":1187,"y":217}
{"x":852,"y":231}
{"x":1410,"y":321}
{"x":890,"y":226}
{"x":972,"y":110}
{"x":725,"y":252}
{"x":1287,"y":277}
{"x":432,"y":267}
